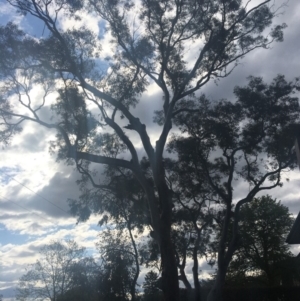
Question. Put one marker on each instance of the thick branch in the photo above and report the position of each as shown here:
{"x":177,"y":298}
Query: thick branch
{"x":134,"y":122}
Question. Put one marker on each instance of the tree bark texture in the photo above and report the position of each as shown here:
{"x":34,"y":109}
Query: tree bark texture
{"x":170,"y":281}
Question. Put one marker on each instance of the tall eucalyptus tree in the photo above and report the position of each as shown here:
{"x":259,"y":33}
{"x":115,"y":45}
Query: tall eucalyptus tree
{"x":94,"y":114}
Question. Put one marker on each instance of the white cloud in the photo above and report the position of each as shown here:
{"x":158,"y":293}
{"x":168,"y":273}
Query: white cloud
{"x":87,"y":20}
{"x":15,"y":257}
{"x":9,"y":13}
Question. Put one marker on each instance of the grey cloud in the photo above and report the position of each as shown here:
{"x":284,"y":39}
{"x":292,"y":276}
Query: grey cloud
{"x":34,"y":142}
{"x":8,"y":277}
{"x":205,"y":267}
{"x":11,"y":216}
{"x":295,"y":249}
{"x":281,"y":58}
{"x":34,"y":248}
{"x":24,"y":254}
{"x":147,"y":106}
{"x":294,"y":206}
{"x":51,"y":201}
{"x":54,"y":196}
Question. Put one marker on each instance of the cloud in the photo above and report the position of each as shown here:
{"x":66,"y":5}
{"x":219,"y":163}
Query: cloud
{"x":8,"y":14}
{"x":280,"y":58}
{"x":15,"y":257}
{"x":87,"y":20}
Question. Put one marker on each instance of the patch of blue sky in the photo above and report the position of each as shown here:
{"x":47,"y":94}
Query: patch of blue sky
{"x":68,"y":236}
{"x":36,"y":28}
{"x":32,"y":25}
{"x":101,"y":65}
{"x":7,"y":13}
{"x":11,"y":237}
{"x":102,"y":29}
{"x":7,"y":173}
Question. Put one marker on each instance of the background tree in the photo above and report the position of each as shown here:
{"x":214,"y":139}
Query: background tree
{"x":192,"y":222}
{"x":53,"y":275}
{"x":85,"y":275}
{"x":115,"y":279}
{"x":151,"y":287}
{"x":122,"y":206}
{"x":264,"y":226}
{"x":249,"y":141}
{"x":120,"y":267}
{"x":151,"y":51}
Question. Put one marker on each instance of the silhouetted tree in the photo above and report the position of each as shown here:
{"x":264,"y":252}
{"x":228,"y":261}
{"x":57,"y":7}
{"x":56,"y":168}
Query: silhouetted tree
{"x":120,"y":268}
{"x":52,"y":276}
{"x":122,"y":204}
{"x":250,"y":140}
{"x":264,"y":226}
{"x":93,"y":106}
{"x":151,"y":287}
{"x":84,"y":276}
{"x":192,"y":223}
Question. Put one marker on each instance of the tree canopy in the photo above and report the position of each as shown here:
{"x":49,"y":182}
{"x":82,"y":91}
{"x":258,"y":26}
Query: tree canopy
{"x":265,"y":223}
{"x":226,"y":143}
{"x":151,"y":290}
{"x":62,"y":269}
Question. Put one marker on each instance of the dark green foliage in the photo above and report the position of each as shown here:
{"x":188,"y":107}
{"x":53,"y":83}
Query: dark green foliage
{"x":250,"y":139}
{"x":116,"y":276}
{"x":284,"y":293}
{"x":85,"y":282}
{"x":227,"y":143}
{"x":264,"y":225}
{"x":120,"y":256}
{"x":151,"y":287}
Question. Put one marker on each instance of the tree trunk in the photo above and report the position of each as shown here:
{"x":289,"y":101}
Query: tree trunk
{"x":224,"y":257}
{"x":223,"y":262}
{"x":196,"y":263}
{"x":137,"y":265}
{"x":184,"y":280}
{"x":196,"y":275}
{"x":216,"y":292}
{"x":170,"y":282}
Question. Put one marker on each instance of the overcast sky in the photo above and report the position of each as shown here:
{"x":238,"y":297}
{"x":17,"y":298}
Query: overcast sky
{"x":34,"y":187}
